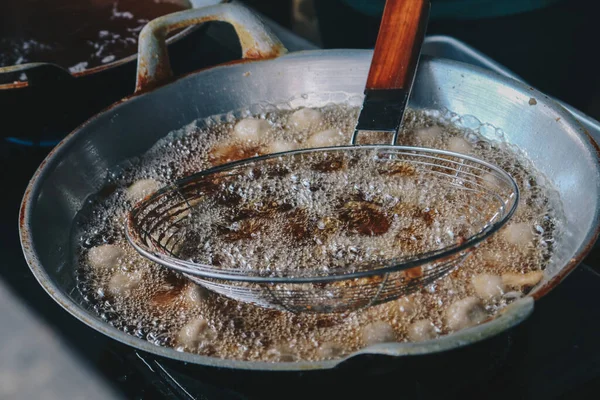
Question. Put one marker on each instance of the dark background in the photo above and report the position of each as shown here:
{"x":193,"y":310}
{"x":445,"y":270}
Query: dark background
{"x":554,"y":48}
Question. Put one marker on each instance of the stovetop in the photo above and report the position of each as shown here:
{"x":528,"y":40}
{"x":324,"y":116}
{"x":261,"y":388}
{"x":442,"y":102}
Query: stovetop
{"x":555,"y":354}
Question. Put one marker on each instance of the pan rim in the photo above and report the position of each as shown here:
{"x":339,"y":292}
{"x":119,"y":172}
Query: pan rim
{"x":451,"y":341}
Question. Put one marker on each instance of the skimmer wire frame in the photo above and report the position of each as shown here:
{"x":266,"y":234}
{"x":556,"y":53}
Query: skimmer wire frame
{"x":156,"y":226}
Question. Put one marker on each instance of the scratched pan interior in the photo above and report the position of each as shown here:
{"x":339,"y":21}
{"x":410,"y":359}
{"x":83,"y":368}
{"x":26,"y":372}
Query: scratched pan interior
{"x":77,"y":168}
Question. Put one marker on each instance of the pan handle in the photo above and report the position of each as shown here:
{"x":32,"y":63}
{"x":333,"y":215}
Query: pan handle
{"x":37,"y":73}
{"x":154,"y":68}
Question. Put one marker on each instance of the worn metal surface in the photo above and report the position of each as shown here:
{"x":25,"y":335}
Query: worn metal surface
{"x":154,"y":68}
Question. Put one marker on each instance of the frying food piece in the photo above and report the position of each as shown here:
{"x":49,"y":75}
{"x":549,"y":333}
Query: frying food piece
{"x":488,"y":286}
{"x":251,"y":131}
{"x":196,"y":333}
{"x":465,"y":313}
{"x":306,"y":118}
{"x":421,"y":330}
{"x":281,"y":353}
{"x":142,"y":188}
{"x":459,"y":145}
{"x":529,"y":279}
{"x":519,"y":234}
{"x":378,"y":332}
{"x":122,"y":282}
{"x":330,"y":350}
{"x":280,"y":146}
{"x":491,"y":180}
{"x":105,"y":256}
{"x":407,"y":305}
{"x":426,"y":136}
{"x":329,"y":137}
{"x":195,"y":294}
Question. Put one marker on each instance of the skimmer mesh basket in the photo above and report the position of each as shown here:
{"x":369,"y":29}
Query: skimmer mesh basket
{"x":430,"y":208}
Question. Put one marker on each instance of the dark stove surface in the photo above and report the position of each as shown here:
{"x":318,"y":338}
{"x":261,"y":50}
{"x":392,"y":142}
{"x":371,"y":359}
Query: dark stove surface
{"x":555,"y":354}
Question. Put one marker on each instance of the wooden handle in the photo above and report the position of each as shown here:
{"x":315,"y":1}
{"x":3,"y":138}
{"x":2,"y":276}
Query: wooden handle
{"x":401,"y":35}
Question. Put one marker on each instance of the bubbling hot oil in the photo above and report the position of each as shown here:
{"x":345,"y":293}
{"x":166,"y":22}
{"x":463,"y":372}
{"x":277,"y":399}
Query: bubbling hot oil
{"x":326,"y":212}
{"x":153,"y":303}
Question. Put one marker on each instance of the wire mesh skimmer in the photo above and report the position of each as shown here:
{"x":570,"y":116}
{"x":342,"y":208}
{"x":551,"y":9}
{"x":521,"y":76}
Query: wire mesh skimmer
{"x":332,"y":229}
{"x":328,"y":229}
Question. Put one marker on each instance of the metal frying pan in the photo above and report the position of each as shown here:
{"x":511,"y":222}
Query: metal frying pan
{"x":76,"y":168}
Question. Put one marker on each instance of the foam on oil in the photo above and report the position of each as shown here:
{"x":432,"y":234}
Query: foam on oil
{"x":151,"y":302}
